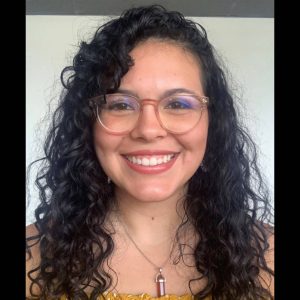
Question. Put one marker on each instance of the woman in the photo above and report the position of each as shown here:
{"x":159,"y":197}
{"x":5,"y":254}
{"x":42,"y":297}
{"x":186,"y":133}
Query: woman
{"x":147,"y":188}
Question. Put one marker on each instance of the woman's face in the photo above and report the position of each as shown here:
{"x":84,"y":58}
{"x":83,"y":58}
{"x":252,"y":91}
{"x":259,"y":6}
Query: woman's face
{"x":158,"y":68}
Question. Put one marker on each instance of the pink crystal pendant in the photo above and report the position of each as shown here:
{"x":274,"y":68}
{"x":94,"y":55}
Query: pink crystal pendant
{"x":160,"y":284}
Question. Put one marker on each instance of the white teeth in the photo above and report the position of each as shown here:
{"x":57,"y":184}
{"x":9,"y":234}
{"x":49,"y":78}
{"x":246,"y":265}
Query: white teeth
{"x":145,"y":162}
{"x":150,"y":161}
{"x":153,"y":161}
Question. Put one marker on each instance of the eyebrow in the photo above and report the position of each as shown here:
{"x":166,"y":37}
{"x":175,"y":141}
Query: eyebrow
{"x":178,"y":91}
{"x":165,"y":94}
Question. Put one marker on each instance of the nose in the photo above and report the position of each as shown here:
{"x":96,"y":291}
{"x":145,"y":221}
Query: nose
{"x":148,"y":126}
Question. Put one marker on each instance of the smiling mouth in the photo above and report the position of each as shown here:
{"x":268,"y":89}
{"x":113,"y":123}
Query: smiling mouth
{"x":150,"y":160}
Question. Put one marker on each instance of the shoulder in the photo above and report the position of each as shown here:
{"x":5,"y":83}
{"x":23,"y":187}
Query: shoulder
{"x":267,"y":280}
{"x":32,"y":242}
{"x":269,"y":255}
{"x":270,"y":252}
{"x":32,"y":253}
{"x":31,"y":230}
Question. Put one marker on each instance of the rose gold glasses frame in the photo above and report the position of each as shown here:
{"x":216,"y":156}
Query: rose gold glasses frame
{"x":142,"y":102}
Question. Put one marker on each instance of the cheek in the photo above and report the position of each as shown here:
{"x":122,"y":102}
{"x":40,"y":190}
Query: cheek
{"x":104,"y":152}
{"x":194,"y":144}
{"x":196,"y":150}
{"x":106,"y":146}
{"x":103,"y":144}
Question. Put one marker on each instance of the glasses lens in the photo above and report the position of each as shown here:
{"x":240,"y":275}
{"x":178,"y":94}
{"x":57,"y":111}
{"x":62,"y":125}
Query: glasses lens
{"x":180,"y":113}
{"x":119,"y":113}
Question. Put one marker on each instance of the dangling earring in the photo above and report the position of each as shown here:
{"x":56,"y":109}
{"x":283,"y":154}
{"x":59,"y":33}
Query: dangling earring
{"x":108,"y":180}
{"x":203,"y":167}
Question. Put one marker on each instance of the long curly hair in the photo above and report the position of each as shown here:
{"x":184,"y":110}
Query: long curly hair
{"x":227,"y":200}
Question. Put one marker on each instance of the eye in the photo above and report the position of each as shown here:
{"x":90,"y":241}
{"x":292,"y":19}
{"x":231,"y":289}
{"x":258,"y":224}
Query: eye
{"x":179,"y":103}
{"x":121,"y":103}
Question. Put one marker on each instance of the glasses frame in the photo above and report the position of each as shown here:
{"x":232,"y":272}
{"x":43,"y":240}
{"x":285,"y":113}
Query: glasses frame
{"x":142,"y":102}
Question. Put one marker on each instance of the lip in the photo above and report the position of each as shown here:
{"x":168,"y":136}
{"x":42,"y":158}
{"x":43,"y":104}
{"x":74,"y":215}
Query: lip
{"x":150,"y":169}
{"x":149,"y":152}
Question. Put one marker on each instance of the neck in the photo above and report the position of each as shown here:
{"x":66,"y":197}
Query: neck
{"x":150,"y":223}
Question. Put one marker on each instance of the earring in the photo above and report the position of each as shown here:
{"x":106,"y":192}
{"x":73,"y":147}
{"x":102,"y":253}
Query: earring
{"x":203,"y":167}
{"x":108,"y":180}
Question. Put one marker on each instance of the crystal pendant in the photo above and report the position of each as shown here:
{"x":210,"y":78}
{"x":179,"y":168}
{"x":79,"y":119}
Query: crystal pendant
{"x":160,"y":284}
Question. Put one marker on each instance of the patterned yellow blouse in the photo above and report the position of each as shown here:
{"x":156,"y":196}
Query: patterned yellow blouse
{"x":115,"y":296}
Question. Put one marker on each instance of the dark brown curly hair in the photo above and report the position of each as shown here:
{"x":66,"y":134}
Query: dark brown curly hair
{"x":228,"y":204}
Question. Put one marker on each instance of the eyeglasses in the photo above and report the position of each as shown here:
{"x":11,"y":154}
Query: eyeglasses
{"x":120,"y":113}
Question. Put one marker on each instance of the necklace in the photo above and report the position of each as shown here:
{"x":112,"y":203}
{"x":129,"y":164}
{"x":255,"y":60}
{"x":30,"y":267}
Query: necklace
{"x":160,"y":280}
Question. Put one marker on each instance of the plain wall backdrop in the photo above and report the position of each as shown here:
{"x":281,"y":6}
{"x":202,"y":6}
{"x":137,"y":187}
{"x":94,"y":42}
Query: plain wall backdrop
{"x":246,"y":46}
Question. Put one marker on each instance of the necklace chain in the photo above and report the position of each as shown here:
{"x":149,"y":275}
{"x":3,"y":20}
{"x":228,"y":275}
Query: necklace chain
{"x":160,"y":280}
{"x":142,"y":253}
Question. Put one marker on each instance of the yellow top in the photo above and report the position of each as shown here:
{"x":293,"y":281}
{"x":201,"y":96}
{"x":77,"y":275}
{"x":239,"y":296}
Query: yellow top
{"x":115,"y":296}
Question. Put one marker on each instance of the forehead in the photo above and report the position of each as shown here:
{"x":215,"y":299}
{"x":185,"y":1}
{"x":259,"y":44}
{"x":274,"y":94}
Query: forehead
{"x":160,"y":63}
{"x":169,"y":51}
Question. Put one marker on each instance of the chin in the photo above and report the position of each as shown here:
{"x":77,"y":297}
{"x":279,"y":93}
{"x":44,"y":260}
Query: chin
{"x":156,"y":194}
